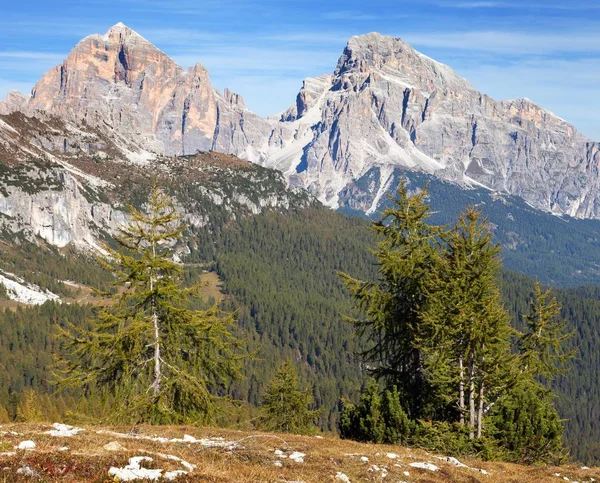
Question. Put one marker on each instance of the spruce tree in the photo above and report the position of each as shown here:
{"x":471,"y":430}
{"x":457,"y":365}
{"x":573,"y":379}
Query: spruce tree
{"x":154,"y":357}
{"x":285,"y":406}
{"x":392,"y":306}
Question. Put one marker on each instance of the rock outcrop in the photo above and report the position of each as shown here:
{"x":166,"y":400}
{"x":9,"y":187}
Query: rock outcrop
{"x":68,"y":183}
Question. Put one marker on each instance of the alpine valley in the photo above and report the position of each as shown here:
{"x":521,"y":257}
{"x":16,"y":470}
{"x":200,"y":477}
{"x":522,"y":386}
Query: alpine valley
{"x":275,"y":207}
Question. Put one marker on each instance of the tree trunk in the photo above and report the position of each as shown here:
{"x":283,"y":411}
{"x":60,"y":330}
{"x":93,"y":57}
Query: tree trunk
{"x":157,"y":361}
{"x":481,"y":396}
{"x":461,"y":390}
{"x":480,"y":411}
{"x":472,"y":397}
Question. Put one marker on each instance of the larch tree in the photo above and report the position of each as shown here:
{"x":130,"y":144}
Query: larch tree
{"x":526,"y":419}
{"x":465,"y":329}
{"x":157,"y":360}
{"x":542,"y":345}
{"x":392,"y":306}
{"x":286,"y":407}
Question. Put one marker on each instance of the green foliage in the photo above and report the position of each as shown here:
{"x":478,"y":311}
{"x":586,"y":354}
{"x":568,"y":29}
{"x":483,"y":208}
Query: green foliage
{"x":392,"y":305}
{"x":285,"y":406}
{"x":279,"y":274}
{"x":542,"y":354}
{"x":438,"y":302}
{"x":526,"y":426}
{"x":465,"y":329}
{"x":446,"y":437}
{"x":378,"y":417}
{"x":158,"y":361}
{"x":28,"y":408}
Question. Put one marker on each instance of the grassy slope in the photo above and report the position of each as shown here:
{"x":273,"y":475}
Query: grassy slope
{"x":251,"y":460}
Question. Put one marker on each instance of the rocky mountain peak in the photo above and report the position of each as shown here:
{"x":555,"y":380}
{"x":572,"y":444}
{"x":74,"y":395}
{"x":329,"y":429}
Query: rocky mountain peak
{"x":386,"y":55}
{"x":234,"y":98}
{"x":199,"y":72}
{"x":121,"y":31}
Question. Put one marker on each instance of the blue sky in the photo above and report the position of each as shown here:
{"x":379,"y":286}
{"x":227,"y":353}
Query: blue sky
{"x":548,"y":51}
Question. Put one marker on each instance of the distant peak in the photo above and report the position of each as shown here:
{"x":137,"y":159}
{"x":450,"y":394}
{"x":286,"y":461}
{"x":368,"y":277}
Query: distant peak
{"x":120,"y":27}
{"x":121,"y":31}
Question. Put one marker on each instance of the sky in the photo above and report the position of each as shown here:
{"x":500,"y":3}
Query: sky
{"x":547,"y":51}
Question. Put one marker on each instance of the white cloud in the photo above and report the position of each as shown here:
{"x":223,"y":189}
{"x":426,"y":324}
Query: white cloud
{"x":47,"y":56}
{"x":516,"y":43}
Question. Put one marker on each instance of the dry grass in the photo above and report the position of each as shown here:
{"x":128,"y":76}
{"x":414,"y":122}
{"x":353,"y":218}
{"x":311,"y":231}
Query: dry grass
{"x":252,"y":459}
{"x":212,"y":286}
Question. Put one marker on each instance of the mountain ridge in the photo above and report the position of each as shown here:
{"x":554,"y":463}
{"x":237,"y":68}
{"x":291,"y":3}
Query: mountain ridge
{"x":385,"y":105}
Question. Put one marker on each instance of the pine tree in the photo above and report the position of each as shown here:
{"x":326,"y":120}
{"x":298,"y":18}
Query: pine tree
{"x":527,"y":427}
{"x":158,"y":360}
{"x":465,"y":329}
{"x":406,"y":256}
{"x":285,"y":406}
{"x":378,"y":417}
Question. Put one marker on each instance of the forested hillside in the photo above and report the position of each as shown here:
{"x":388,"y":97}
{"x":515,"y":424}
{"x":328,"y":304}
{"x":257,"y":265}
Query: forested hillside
{"x":280,"y":276}
{"x":559,"y":251}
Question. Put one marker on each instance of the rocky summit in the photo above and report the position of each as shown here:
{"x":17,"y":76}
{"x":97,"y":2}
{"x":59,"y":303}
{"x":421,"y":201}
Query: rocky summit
{"x":384,"y":107}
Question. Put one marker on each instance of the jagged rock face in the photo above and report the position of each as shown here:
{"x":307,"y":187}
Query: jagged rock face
{"x":122,"y":80}
{"x":385,"y":106}
{"x":388,"y":106}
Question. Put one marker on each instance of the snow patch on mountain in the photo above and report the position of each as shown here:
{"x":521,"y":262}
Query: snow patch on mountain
{"x":19,"y":290}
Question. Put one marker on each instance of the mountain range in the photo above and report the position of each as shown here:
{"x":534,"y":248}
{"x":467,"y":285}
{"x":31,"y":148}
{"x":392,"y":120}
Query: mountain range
{"x":385,"y":108}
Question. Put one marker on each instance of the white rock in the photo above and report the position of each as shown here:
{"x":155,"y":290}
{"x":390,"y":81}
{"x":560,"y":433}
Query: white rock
{"x":171,"y":475}
{"x":392,"y":456}
{"x":63,"y":430}
{"x":278,"y":463}
{"x":424,"y":466}
{"x":339,"y":476}
{"x":364,"y":459}
{"x":27,"y":471}
{"x":26,"y":445}
{"x":133,"y":471}
{"x":297,"y":457}
{"x":452,"y":460}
